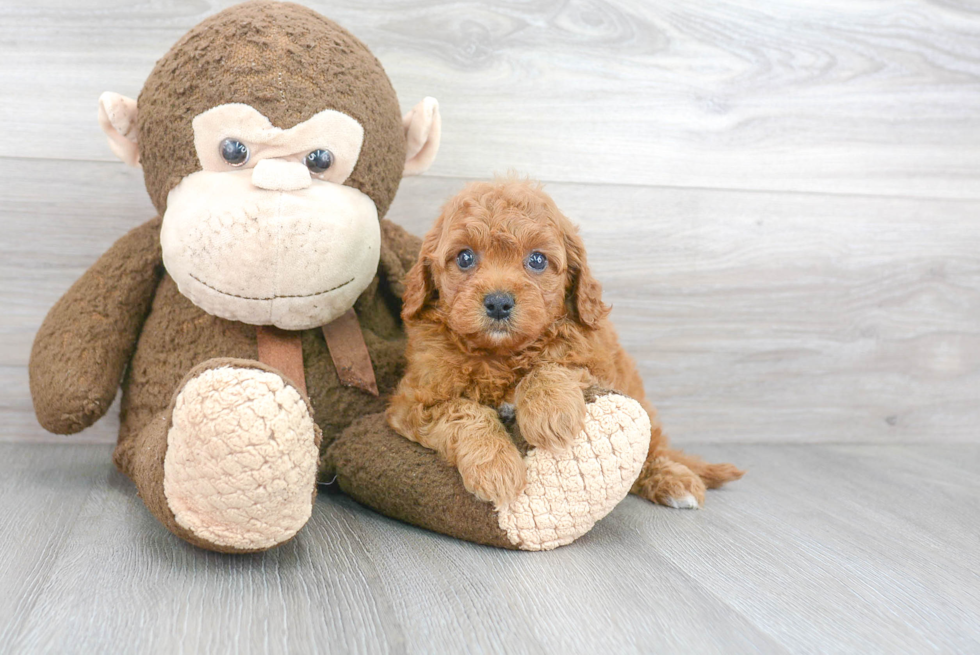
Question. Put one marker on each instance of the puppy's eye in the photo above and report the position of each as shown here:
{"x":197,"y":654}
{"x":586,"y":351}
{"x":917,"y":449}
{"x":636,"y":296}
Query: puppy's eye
{"x":234,"y":152}
{"x":536,"y":261}
{"x":466,"y":259}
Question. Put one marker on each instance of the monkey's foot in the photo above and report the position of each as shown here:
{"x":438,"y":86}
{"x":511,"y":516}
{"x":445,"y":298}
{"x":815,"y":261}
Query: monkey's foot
{"x":568,"y":491}
{"x":239,"y":472}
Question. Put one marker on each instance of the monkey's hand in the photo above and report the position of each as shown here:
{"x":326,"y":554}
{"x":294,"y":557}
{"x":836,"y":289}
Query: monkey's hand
{"x":88,"y":337}
{"x":550,"y":407}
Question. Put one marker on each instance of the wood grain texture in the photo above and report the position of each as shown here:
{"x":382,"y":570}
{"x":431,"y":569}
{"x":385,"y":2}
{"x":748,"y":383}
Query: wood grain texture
{"x":834,"y":96}
{"x":754,"y":316}
{"x":821,"y":548}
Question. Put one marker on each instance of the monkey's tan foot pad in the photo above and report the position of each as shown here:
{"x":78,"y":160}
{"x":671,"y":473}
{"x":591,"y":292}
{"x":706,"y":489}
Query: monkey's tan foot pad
{"x":241,"y":461}
{"x":568,"y":492}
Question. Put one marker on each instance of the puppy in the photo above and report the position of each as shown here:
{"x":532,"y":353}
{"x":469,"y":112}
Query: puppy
{"x":501,"y":310}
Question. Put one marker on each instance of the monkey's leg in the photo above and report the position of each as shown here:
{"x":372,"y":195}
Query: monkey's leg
{"x":231,"y":465}
{"x":567,"y":491}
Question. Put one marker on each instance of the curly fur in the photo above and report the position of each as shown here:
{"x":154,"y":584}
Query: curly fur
{"x":558,"y":341}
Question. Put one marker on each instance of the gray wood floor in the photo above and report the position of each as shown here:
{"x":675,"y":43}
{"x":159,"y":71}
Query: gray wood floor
{"x":782,"y":200}
{"x":823,"y":548}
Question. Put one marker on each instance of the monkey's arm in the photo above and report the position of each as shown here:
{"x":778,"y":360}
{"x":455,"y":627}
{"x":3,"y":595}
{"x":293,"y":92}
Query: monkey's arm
{"x":88,"y":337}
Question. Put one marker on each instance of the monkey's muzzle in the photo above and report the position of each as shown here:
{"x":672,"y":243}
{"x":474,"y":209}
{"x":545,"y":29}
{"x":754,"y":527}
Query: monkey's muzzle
{"x":295,"y":258}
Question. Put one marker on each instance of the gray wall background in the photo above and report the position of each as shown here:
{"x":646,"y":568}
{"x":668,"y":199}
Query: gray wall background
{"x":783,"y":202}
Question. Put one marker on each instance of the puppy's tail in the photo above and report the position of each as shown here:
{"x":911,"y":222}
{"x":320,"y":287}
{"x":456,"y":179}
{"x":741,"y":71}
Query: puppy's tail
{"x":713,"y":475}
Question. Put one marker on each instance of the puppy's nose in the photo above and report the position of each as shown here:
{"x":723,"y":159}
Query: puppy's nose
{"x":498,"y":305}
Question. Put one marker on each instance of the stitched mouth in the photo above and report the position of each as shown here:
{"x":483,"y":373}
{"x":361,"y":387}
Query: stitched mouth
{"x":303,"y":295}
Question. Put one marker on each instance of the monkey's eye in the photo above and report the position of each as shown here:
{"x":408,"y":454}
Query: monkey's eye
{"x":319,"y":161}
{"x":234,"y":152}
{"x":466,"y":259}
{"x":536,"y":261}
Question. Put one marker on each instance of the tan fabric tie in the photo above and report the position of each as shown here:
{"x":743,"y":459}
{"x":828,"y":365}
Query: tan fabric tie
{"x":283,"y":350}
{"x":349,"y":353}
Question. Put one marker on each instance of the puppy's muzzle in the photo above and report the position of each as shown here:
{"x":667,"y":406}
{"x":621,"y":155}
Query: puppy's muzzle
{"x":499,"y":305}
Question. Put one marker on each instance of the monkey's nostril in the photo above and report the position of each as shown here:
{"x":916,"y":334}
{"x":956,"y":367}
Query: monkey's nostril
{"x":498,"y":305}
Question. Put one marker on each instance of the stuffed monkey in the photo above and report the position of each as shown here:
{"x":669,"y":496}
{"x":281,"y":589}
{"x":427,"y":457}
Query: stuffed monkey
{"x":253,"y":324}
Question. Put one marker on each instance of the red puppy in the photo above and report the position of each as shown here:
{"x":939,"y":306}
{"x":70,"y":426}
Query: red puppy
{"x":501,"y":309}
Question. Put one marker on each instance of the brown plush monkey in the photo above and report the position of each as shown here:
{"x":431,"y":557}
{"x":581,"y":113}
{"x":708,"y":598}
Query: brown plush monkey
{"x":253,"y":325}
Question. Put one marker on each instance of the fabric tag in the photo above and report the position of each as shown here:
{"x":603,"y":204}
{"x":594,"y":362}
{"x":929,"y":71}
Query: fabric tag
{"x":282,"y":350}
{"x":349,"y":353}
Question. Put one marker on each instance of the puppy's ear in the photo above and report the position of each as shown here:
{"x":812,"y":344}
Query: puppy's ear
{"x":583,"y":295}
{"x":420,"y":289}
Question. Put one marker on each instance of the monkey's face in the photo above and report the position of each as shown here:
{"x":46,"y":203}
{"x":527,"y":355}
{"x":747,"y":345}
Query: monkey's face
{"x":267,"y":232}
{"x":271,"y":143}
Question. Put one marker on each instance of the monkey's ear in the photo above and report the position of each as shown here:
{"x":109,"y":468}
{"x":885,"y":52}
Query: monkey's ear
{"x":423,"y":126}
{"x":117,"y":118}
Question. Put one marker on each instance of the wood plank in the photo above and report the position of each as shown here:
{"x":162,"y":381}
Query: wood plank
{"x":821,"y":547}
{"x":838,"y":548}
{"x":754,"y":316}
{"x":353,"y":582}
{"x":836,"y":96}
{"x":42,"y":490}
{"x":123,"y":583}
{"x":599,"y":595}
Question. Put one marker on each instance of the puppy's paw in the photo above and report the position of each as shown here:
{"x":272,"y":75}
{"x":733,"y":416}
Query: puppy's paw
{"x":670,"y":483}
{"x":550,"y":416}
{"x":494,"y":472}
